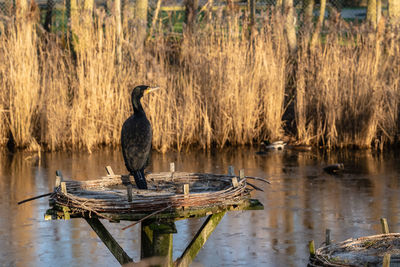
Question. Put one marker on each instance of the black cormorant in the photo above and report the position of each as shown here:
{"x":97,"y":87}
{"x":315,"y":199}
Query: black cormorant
{"x":136,"y":135}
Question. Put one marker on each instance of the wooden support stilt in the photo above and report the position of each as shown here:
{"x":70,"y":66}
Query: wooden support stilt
{"x":199,"y":239}
{"x":311,"y":247}
{"x":108,"y":240}
{"x":385,"y":227}
{"x":386,"y":260}
{"x":157,"y":241}
{"x":327,"y":237}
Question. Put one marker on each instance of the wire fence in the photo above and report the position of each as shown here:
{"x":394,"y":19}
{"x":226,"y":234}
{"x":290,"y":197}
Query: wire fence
{"x":56,"y":12}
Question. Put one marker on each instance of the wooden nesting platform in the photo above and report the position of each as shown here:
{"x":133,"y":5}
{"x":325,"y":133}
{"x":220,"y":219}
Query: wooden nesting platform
{"x":175,"y":195}
{"x":170,"y":196}
{"x":372,"y":250}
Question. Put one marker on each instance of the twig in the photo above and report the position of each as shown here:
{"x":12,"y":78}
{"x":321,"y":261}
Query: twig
{"x":255,"y":187}
{"x":226,"y":175}
{"x":33,"y":198}
{"x":258,"y":179}
{"x":146,"y":217}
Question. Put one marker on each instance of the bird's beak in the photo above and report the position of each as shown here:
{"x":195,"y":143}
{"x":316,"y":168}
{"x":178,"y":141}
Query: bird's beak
{"x":150,"y":89}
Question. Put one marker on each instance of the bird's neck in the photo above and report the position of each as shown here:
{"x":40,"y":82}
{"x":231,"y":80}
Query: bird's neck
{"x":137,"y":107}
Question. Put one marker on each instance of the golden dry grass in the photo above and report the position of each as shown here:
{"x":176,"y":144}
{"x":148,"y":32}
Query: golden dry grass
{"x":348,"y":93}
{"x":219,"y":86}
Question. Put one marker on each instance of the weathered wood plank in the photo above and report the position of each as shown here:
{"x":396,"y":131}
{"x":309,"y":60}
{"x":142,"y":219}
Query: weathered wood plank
{"x":199,"y":240}
{"x":109,"y":240}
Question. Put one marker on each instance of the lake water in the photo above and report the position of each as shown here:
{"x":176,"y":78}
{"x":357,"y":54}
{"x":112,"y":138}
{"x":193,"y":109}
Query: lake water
{"x":301,"y":202}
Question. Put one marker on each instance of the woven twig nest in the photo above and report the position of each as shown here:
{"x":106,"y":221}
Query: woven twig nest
{"x":363,"y":251}
{"x":109,"y":194}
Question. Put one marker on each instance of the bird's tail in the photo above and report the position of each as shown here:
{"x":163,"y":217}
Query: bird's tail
{"x":140,"y":179}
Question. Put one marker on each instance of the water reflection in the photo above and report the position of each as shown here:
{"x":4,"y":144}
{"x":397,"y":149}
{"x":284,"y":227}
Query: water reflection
{"x":300,"y":204}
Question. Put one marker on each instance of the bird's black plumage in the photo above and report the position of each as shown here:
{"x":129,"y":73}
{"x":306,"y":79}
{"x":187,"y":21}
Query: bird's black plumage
{"x":136,"y":136}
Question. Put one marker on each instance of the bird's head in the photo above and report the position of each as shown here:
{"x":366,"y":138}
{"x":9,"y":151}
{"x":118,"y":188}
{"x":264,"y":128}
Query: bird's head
{"x":141,"y":90}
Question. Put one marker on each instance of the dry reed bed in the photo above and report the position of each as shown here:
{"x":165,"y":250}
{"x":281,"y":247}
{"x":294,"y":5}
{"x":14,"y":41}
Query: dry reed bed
{"x":221,"y":88}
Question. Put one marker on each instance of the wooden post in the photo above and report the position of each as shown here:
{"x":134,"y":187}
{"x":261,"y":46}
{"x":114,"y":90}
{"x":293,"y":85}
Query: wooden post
{"x":108,"y":240}
{"x":385,"y":227}
{"x":386,"y":260}
{"x":59,"y":179}
{"x":156,"y":241}
{"x":186,"y":190}
{"x":199,"y":239}
{"x":129,"y":192}
{"x":59,"y":174}
{"x":327,"y":237}
{"x":172,"y":167}
{"x":63,"y":188}
{"x":311,"y":247}
{"x":235,"y":182}
{"x":231,"y":171}
{"x":58,"y":182}
{"x":241,"y":174}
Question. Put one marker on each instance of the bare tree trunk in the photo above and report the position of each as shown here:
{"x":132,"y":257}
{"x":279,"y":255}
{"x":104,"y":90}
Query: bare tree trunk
{"x":290,"y":25}
{"x":118,"y":29}
{"x":320,"y":22}
{"x":378,"y":11}
{"x":394,"y":12}
{"x":279,"y":5}
{"x":308,"y":8}
{"x":371,"y":13}
{"x":21,"y":7}
{"x":80,"y":16}
{"x":141,"y":18}
{"x":141,"y":10}
{"x":155,"y":17}
{"x":49,"y":15}
{"x":191,"y":7}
